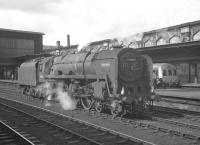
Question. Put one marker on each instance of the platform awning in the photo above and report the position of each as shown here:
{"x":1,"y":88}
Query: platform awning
{"x":182,"y":52}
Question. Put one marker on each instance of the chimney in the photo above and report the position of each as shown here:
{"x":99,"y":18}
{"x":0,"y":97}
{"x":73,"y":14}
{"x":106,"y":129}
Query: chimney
{"x":58,"y":44}
{"x":68,"y":41}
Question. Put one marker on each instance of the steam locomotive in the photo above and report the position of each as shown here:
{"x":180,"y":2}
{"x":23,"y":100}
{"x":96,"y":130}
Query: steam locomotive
{"x":101,"y":76}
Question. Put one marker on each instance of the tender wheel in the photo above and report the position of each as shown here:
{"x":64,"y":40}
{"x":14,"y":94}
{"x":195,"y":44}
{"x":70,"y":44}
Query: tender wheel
{"x":32,"y":92}
{"x":24,"y":91}
{"x":98,"y":106}
{"x":27,"y":91}
{"x":86,"y":103}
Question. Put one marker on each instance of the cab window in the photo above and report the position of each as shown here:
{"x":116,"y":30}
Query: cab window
{"x":47,"y":68}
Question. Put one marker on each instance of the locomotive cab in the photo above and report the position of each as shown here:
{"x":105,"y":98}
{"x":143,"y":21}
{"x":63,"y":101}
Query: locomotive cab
{"x":31,"y":74}
{"x":28,"y":73}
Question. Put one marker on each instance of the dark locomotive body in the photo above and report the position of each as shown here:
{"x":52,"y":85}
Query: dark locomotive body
{"x":118,"y":79}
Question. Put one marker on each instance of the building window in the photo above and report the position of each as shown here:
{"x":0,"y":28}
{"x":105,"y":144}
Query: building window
{"x":16,"y":43}
{"x":175,"y":39}
{"x":196,"y":36}
{"x":169,"y":72}
{"x":174,"y":72}
{"x":164,"y":72}
{"x":148,"y":43}
{"x":161,"y":41}
{"x":133,"y":45}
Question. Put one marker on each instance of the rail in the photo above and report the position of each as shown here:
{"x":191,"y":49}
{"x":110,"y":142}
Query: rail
{"x":10,"y":136}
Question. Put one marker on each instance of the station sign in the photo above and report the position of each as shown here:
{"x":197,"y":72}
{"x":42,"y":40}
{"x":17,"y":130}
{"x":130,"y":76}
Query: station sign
{"x":185,"y":29}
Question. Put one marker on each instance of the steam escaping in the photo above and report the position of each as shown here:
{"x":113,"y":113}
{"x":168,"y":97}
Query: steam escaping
{"x":44,"y":91}
{"x":65,"y":100}
{"x":56,"y":93}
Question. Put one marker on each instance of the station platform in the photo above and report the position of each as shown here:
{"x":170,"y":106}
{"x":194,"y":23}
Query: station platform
{"x":9,"y":81}
{"x":187,"y":93}
{"x":191,"y":85}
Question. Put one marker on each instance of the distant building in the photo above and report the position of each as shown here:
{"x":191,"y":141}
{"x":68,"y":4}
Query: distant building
{"x":59,"y":49}
{"x":188,"y":71}
{"x":185,"y":32}
{"x":55,"y":50}
{"x":15,"y":44}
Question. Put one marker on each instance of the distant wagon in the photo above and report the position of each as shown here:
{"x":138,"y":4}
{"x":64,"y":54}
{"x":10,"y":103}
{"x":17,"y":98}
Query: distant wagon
{"x":165,"y":75}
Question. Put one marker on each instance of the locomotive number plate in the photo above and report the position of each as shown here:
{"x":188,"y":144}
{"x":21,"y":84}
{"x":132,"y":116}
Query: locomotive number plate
{"x":129,"y":66}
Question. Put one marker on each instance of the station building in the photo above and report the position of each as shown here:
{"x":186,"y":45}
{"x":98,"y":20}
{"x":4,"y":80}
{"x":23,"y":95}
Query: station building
{"x":178,"y":45}
{"x":15,"y":45}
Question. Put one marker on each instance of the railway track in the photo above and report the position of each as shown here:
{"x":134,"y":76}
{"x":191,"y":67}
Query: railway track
{"x":175,"y":111}
{"x":158,"y":124}
{"x":10,"y":136}
{"x":64,"y":130}
{"x":162,"y":125}
{"x":173,"y":99}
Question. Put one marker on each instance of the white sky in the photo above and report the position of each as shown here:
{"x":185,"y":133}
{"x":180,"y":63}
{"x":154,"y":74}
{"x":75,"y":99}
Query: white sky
{"x":90,"y":20}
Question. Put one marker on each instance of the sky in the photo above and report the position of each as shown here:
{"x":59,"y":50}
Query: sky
{"x":91,"y":20}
